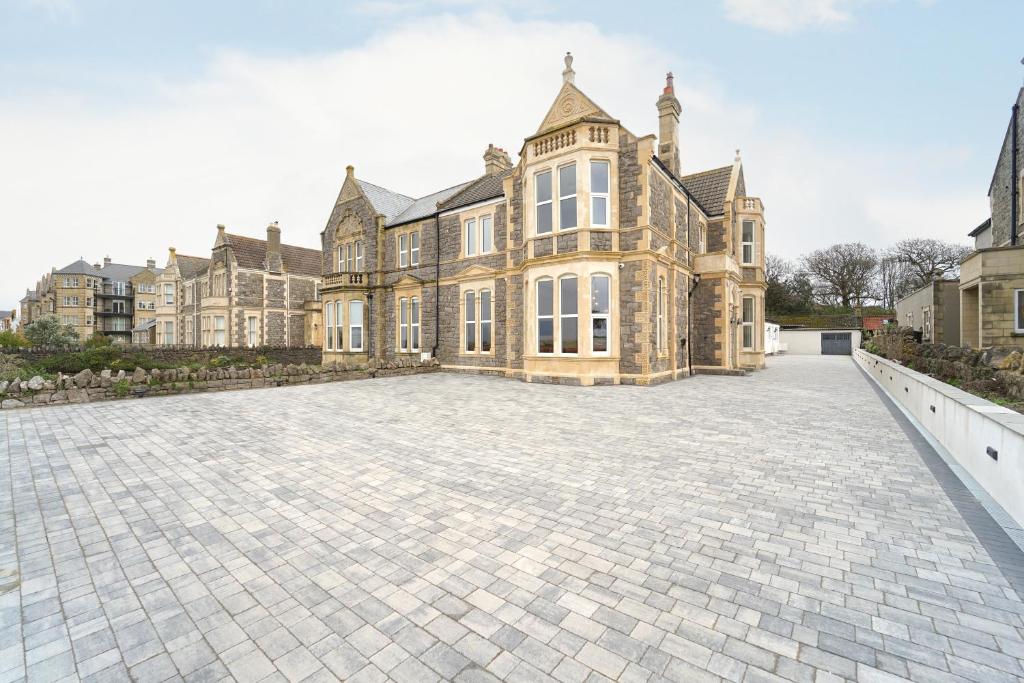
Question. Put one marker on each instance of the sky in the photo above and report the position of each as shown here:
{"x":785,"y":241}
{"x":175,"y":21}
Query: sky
{"x":127,"y":128}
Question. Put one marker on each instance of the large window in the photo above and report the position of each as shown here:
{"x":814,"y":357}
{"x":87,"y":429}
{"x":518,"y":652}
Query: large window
{"x":339,"y":325}
{"x":542,"y":182}
{"x":355,"y":325}
{"x":219,"y":330}
{"x":470,"y":237}
{"x":545,"y":316}
{"x":748,"y":243}
{"x":414,"y":248}
{"x":568,"y":313}
{"x":485,"y":321}
{"x":403,"y":324}
{"x":599,"y":193}
{"x":486,"y":234}
{"x":168,"y":332}
{"x":329,"y":325}
{"x":661,"y":315}
{"x":168,"y":294}
{"x":470,"y":298}
{"x":600,"y":306}
{"x":1018,"y":310}
{"x":359,"y":256}
{"x":567,"y":197}
{"x":748,"y":322}
{"x":403,"y":254}
{"x":251,"y":330}
{"x":414,"y":322}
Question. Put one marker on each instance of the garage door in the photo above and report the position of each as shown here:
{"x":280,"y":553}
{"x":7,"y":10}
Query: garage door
{"x":836,"y":344}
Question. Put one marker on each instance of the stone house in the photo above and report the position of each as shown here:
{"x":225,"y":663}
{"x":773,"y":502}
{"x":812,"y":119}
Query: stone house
{"x":992,"y":276}
{"x":591,"y":260}
{"x":250,"y":292}
{"x":144,"y":310}
{"x":934,"y":311}
{"x":39,"y":301}
{"x":8,"y":320}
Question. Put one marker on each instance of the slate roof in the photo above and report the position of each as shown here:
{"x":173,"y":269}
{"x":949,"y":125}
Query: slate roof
{"x":144,"y":326}
{"x":31,"y":295}
{"x":191,"y":266}
{"x":120,"y":272}
{"x":80,"y":267}
{"x":981,"y":228}
{"x":387,"y":202}
{"x":709,"y":188}
{"x":5,"y":314}
{"x":483,"y":188}
{"x":252,"y":253}
{"x":426,"y":206}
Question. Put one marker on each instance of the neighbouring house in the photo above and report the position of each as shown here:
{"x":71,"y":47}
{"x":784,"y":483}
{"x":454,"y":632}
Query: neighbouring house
{"x":593,"y":259}
{"x":144,"y":310}
{"x":250,"y":292}
{"x":992,"y":276}
{"x":8,"y":320}
{"x":76,"y":286}
{"x":934,"y":311}
{"x":40,"y":300}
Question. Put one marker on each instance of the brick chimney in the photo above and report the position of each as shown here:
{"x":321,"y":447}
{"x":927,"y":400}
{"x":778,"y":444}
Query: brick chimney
{"x":172,"y":256}
{"x":496,"y":160}
{"x":274,"y":264}
{"x":668,"y":126}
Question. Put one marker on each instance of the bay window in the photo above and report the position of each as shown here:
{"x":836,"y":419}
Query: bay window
{"x":568,"y":313}
{"x":485,"y":321}
{"x":545,"y":316}
{"x":599,"y":193}
{"x":168,"y":294}
{"x":748,"y":322}
{"x":600,"y":306}
{"x":567,"y":197}
{"x":339,"y":325}
{"x":470,"y":316}
{"x":748,"y":243}
{"x":219,"y":330}
{"x":329,"y":325}
{"x":542,"y":191}
{"x":355,"y":325}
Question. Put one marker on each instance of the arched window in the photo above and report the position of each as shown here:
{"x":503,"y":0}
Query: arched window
{"x":600,"y":307}
{"x":568,"y":314}
{"x":470,"y":321}
{"x":414,"y":321}
{"x":545,"y":316}
{"x":485,"y":321}
{"x":403,"y":324}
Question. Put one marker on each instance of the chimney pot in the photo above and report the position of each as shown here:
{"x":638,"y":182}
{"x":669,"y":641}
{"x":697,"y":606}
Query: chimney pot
{"x":496,"y":160}
{"x":106,"y":260}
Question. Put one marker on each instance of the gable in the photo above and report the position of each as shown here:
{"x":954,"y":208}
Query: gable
{"x":571,"y":105}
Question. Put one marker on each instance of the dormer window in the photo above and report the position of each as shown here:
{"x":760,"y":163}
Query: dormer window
{"x":599,"y":193}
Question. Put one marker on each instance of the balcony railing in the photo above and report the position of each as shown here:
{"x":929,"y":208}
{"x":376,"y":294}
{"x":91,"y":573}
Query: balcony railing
{"x":334,"y":279}
{"x":752,"y":204}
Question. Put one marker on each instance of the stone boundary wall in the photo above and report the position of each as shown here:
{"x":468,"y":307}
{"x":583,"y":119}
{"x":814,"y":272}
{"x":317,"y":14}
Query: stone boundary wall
{"x":87,"y":386}
{"x":293,"y":355}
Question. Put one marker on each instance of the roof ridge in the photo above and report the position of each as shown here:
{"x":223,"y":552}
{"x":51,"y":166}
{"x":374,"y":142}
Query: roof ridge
{"x":386,"y":189}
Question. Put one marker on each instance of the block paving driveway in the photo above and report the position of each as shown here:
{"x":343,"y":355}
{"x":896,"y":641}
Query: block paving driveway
{"x":440,"y":527}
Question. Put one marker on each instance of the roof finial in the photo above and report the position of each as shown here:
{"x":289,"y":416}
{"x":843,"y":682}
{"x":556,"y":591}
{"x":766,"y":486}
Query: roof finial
{"x":568,"y":75}
{"x":737,"y":154}
{"x":670,"y":88}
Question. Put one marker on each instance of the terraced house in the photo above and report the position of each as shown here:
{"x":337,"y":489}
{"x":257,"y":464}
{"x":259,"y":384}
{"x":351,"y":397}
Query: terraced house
{"x":594,"y":259}
{"x":249,"y":292}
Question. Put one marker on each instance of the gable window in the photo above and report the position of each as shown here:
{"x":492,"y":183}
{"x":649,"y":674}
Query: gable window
{"x":341,"y":258}
{"x":403,"y":253}
{"x":470,"y":321}
{"x":567,"y":197}
{"x":486,"y":235}
{"x":661,"y":315}
{"x":470,"y":239}
{"x":355,"y":325}
{"x":542,"y":190}
{"x":414,"y":323}
{"x":545,"y":316}
{"x":403,"y":324}
{"x":600,"y":303}
{"x":748,"y":322}
{"x":414,"y":248}
{"x":485,"y":321}
{"x":568,"y":314}
{"x":599,"y":193}
{"x":329,"y":326}
{"x":251,"y":330}
{"x":748,"y":243}
{"x":339,"y":325}
{"x":1018,"y":310}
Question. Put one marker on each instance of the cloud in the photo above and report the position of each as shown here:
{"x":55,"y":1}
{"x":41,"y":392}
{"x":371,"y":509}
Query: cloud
{"x":57,"y":9}
{"x":784,"y":16}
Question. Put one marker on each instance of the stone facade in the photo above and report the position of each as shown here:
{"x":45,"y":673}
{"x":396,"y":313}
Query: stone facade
{"x":597,"y":285}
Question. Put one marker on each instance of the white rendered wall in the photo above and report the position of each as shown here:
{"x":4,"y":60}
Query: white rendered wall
{"x":806,"y":342}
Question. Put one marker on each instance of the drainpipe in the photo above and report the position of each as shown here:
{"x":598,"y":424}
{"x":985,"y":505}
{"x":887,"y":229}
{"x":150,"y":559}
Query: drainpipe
{"x":437,"y":284}
{"x":1015,"y":181}
{"x":689,"y":323}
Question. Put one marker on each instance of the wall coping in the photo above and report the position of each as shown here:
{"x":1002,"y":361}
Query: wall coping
{"x":1010,"y":419}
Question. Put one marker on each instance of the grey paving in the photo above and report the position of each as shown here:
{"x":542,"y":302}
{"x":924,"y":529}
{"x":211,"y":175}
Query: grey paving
{"x":777,"y":527}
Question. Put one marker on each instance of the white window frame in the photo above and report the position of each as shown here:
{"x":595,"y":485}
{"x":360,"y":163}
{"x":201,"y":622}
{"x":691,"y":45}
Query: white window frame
{"x":403,"y":325}
{"x":469,"y":237}
{"x":469,"y":318}
{"x":169,"y":332}
{"x":599,"y":195}
{"x":252,"y":331}
{"x":359,"y":256}
{"x":414,"y":324}
{"x":548,"y":202}
{"x":339,"y":325}
{"x":220,"y":332}
{"x":748,"y":324}
{"x":1018,"y":311}
{"x":563,"y":197}
{"x":168,"y":294}
{"x":403,"y":253}
{"x":598,"y":315}
{"x":702,"y":237}
{"x":414,"y":248}
{"x":352,"y":306}
{"x":486,"y":234}
{"x":745,"y":245}
{"x":562,"y":316}
{"x":341,"y":258}
{"x":661,"y":315}
{"x":329,"y":325}
{"x":547,"y":316}
{"x":488,"y":320}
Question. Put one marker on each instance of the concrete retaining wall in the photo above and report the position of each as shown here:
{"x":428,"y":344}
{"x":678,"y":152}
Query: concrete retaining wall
{"x":964,"y":425}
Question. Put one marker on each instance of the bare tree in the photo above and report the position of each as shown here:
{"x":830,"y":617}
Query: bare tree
{"x":895,"y":279}
{"x":929,"y":259}
{"x":788,"y":291}
{"x":843,"y":273}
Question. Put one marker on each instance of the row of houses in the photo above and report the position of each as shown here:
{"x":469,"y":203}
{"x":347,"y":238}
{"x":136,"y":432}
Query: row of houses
{"x":593,"y":259}
{"x":985,"y":306}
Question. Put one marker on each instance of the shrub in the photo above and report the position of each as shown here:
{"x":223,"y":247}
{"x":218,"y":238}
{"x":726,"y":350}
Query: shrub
{"x":122,"y":388}
{"x":13,"y":367}
{"x":98,"y":340}
{"x":13,"y":339}
{"x":48,"y":331}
